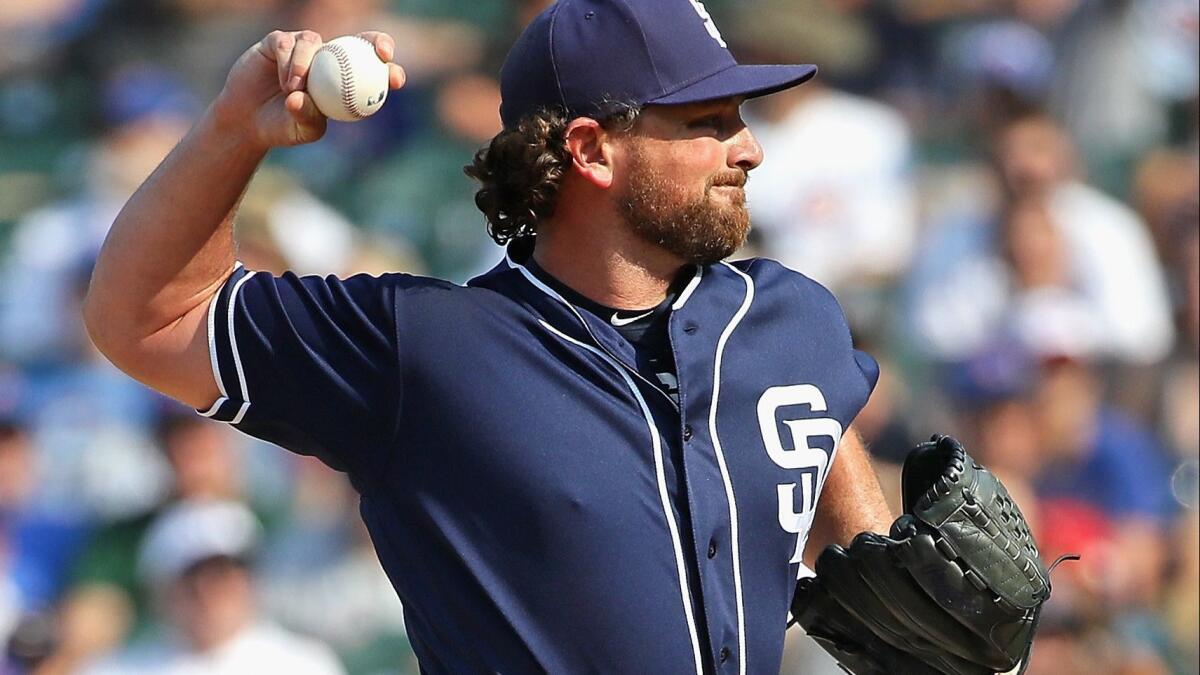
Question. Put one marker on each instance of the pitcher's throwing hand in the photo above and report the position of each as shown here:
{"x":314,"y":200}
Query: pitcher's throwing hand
{"x":264,"y":97}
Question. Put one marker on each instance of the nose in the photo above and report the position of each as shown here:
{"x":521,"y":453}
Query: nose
{"x":744,"y":152}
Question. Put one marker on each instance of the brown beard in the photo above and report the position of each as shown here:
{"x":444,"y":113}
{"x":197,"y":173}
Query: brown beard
{"x":698,"y":230}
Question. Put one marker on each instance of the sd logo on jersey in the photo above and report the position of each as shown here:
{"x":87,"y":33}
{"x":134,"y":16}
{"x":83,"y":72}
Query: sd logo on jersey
{"x":811,"y":461}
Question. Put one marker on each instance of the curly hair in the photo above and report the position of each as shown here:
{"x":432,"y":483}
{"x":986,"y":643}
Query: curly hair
{"x":521,"y":170}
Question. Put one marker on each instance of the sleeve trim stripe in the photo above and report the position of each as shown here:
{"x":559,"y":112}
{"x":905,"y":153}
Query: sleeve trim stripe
{"x":222,"y":349}
{"x":212,"y":346}
{"x":237,"y":419}
{"x":215,"y":407}
{"x":237,"y":360}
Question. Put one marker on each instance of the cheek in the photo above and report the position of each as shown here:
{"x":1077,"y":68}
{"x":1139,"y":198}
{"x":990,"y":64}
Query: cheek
{"x":692,"y":165}
{"x":686,"y":157}
{"x":706,"y":156}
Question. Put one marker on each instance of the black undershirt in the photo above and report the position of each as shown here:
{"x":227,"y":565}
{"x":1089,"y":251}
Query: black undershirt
{"x":645,"y":329}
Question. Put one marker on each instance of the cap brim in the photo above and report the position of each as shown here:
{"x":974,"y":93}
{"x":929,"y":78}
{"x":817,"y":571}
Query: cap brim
{"x":748,"y":81}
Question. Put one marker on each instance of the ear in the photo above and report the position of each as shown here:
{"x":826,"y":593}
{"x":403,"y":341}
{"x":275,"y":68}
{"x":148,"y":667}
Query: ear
{"x":591,"y":151}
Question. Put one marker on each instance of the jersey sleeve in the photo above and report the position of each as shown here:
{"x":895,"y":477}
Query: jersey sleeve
{"x":309,"y":363}
{"x":868,"y":367}
{"x":858,"y":369}
{"x":826,"y":335}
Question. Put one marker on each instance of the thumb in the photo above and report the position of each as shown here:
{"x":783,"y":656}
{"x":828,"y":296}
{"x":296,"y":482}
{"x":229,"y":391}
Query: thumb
{"x":310,"y":123}
{"x":302,"y":108}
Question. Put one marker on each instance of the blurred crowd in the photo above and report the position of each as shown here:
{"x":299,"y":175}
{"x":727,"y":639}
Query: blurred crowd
{"x":1002,"y":193}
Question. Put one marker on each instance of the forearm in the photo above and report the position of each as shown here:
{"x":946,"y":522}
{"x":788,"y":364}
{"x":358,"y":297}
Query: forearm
{"x":172,"y":247}
{"x":166,"y":255}
{"x":172,"y":244}
{"x":851,"y":500}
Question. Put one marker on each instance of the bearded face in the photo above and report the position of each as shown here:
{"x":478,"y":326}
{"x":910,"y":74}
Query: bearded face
{"x":700,"y":225}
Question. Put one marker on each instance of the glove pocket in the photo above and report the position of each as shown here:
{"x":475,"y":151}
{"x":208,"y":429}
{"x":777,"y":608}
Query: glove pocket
{"x":1001,"y":630}
{"x":997,"y":554}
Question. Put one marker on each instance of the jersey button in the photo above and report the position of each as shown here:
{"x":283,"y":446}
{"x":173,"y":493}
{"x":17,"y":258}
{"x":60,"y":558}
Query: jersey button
{"x":712,"y":549}
{"x":724,"y":655}
{"x":687,"y":432}
{"x":690,"y":327}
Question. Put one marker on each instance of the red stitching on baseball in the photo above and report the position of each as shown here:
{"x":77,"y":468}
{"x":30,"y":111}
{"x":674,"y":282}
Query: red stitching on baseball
{"x":348,"y":94}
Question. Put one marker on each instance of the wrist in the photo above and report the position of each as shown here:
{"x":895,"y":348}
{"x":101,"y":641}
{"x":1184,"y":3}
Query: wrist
{"x":232,"y":127}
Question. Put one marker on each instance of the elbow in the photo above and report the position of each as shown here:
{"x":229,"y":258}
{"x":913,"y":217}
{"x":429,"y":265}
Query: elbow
{"x":98,"y":330}
{"x":104,"y":327}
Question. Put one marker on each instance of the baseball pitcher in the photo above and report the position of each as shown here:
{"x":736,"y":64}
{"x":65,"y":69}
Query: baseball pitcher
{"x":611,"y":452}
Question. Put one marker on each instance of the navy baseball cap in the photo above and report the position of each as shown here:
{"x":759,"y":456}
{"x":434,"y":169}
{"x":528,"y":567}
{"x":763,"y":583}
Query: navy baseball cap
{"x":578,"y":54}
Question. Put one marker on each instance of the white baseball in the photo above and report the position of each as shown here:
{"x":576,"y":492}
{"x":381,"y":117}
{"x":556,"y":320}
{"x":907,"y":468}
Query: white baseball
{"x":347,"y":80}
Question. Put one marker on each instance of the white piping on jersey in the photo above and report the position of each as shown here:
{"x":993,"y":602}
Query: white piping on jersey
{"x":687,"y":291}
{"x":215,"y":407}
{"x":240,"y":413}
{"x":237,"y":359}
{"x":716,"y":441}
{"x":662,"y":486}
{"x":212,"y":354}
{"x":212,"y":351}
{"x":554,"y":294}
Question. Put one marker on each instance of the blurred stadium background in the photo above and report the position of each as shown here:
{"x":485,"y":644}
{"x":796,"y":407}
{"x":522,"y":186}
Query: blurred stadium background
{"x":1003,"y":194}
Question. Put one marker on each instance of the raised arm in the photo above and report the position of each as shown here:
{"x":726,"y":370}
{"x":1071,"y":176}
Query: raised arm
{"x":172,"y":246}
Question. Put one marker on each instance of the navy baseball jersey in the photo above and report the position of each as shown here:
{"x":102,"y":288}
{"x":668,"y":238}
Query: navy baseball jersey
{"x":539,"y":503}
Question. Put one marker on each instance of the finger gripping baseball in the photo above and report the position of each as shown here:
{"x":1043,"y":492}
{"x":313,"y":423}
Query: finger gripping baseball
{"x":347,"y":80}
{"x":957,"y":586}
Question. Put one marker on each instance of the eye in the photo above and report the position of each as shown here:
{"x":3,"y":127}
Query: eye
{"x":707,"y":122}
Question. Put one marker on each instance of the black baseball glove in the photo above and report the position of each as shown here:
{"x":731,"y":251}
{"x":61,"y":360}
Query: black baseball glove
{"x":956,"y":589}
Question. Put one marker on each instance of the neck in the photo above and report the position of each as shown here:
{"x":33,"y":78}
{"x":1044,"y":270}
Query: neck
{"x":607,"y":265}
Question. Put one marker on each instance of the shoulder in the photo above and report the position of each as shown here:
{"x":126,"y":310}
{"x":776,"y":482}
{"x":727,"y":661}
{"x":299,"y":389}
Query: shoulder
{"x":317,"y":294}
{"x":398,"y":281}
{"x":793,"y":309}
{"x":1093,"y":212}
{"x":772,"y":276}
{"x":290,"y":653}
{"x":783,"y":294}
{"x":139,"y":658}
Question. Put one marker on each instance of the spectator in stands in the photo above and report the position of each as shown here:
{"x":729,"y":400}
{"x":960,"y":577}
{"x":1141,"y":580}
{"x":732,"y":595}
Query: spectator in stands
{"x":204,"y":467}
{"x":37,"y":544}
{"x":145,"y":111}
{"x":1103,"y":480}
{"x":972,"y":271}
{"x":321,"y":576}
{"x":421,"y":195}
{"x":197,"y":557}
{"x":990,"y":394}
{"x":837,"y":201}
